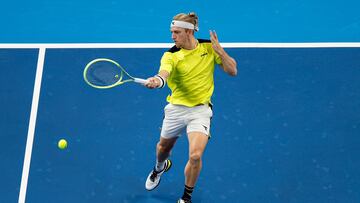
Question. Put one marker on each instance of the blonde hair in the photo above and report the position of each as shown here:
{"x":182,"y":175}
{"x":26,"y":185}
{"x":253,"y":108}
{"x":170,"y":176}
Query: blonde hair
{"x":190,"y":18}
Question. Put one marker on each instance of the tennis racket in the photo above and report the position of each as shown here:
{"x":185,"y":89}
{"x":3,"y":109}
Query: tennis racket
{"x":103,"y":73}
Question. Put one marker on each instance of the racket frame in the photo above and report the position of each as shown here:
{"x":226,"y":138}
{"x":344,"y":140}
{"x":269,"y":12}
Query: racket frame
{"x":119,"y":82}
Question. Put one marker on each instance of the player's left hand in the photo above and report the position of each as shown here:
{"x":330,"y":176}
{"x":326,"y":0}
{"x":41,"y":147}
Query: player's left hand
{"x":215,"y":43}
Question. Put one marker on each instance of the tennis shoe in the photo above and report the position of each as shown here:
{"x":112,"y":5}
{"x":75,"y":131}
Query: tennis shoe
{"x":153,"y":180}
{"x":183,"y":201}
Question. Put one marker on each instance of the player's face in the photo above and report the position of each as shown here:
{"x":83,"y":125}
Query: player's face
{"x":180,"y":36}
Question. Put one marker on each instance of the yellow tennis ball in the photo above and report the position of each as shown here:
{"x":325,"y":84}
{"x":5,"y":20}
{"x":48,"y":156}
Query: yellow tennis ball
{"x":62,"y":144}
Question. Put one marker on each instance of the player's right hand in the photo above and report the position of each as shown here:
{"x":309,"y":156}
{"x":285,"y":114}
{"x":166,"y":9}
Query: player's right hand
{"x":153,"y":83}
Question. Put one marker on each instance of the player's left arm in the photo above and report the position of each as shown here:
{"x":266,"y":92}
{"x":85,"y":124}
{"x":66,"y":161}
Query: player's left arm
{"x":228,"y":63}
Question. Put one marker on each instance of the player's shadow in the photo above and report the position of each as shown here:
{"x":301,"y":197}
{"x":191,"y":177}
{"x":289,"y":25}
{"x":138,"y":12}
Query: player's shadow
{"x":155,"y":198}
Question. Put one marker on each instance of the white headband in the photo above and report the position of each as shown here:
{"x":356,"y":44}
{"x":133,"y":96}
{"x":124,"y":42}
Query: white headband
{"x":183,"y":24}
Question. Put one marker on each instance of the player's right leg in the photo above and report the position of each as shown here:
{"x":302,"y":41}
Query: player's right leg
{"x":163,"y":164}
{"x":173,"y":126}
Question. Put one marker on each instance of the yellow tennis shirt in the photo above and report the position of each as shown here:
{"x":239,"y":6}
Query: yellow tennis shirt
{"x":191,"y":78}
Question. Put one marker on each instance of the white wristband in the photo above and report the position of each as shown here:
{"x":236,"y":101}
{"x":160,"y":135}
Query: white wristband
{"x":162,"y":81}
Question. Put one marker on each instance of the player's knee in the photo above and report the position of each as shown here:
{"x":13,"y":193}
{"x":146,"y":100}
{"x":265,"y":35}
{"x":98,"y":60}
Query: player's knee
{"x":195,"y":158}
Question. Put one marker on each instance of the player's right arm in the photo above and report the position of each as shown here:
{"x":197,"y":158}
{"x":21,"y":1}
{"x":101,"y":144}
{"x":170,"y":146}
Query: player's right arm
{"x":159,"y":80}
{"x":166,"y":66}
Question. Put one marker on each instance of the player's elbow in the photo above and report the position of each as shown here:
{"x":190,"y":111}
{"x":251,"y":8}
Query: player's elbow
{"x":233,"y":72}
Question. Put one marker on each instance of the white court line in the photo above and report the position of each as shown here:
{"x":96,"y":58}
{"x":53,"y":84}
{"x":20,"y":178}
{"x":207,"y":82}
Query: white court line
{"x":32,"y":124}
{"x":168,"y":45}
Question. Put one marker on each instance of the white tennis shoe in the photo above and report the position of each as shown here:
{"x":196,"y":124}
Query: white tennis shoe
{"x":183,"y":201}
{"x":153,"y":180}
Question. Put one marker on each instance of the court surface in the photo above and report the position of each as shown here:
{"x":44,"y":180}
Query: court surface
{"x":286,"y":129}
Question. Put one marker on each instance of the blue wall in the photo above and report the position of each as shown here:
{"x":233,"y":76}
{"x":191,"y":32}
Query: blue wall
{"x":148,"y":21}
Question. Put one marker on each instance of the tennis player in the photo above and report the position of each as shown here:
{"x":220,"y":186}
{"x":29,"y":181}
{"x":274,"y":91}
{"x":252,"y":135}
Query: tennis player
{"x":188,"y":69}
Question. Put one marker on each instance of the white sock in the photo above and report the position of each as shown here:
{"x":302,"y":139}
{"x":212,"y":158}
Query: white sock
{"x":159,"y":165}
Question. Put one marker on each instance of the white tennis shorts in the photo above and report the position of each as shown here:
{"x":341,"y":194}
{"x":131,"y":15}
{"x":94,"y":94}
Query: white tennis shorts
{"x":179,"y":118}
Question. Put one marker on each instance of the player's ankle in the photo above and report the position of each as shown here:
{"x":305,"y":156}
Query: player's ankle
{"x":187,"y":193}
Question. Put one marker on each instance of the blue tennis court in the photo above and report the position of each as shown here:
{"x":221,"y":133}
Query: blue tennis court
{"x":284,"y":130}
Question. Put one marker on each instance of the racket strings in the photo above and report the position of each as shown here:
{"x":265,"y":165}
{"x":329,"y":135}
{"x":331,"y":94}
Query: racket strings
{"x":104,"y":74}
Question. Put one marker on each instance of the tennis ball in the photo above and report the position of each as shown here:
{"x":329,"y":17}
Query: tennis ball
{"x":62,"y":144}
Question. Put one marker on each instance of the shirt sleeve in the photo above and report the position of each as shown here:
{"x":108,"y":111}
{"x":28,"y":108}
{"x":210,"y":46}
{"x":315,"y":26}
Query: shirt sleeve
{"x":166,"y":62}
{"x":217,"y":58}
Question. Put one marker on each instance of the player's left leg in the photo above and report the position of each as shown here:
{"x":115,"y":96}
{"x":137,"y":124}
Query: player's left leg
{"x":198,"y":130}
{"x":197,"y":145}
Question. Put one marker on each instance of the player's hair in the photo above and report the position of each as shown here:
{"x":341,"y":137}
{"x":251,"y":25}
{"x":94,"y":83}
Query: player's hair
{"x":190,"y":18}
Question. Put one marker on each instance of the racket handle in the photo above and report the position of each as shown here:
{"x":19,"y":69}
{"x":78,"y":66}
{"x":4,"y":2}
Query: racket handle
{"x":141,"y":81}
